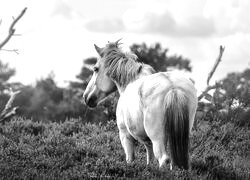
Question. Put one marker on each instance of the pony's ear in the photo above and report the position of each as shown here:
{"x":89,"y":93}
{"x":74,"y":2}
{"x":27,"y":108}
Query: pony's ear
{"x":98,"y":50}
{"x":117,"y":43}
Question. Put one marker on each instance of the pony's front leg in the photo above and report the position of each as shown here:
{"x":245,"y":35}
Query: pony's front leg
{"x":128,"y":144}
{"x":149,"y":148}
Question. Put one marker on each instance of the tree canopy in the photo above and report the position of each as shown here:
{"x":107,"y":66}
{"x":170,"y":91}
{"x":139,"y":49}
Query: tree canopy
{"x":157,"y":57}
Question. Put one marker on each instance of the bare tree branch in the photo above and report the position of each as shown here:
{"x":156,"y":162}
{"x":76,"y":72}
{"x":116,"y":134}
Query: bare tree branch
{"x":11,"y":28}
{"x":11,"y":50}
{"x":210,"y":75}
{"x":218,"y":60}
{"x":208,"y":88}
{"x":9,"y":111}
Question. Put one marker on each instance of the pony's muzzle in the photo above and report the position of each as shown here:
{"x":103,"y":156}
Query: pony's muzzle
{"x":90,"y":101}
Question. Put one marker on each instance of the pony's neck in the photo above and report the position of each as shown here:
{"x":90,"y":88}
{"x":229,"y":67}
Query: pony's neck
{"x":145,"y":70}
{"x":123,"y":68}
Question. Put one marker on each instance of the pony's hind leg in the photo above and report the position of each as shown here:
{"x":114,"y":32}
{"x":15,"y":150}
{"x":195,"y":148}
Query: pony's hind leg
{"x":159,"y":141}
{"x":154,"y":127}
{"x":160,"y":152}
{"x":128,"y":144}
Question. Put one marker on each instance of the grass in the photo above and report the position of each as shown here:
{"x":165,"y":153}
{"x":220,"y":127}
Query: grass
{"x":74,"y":150}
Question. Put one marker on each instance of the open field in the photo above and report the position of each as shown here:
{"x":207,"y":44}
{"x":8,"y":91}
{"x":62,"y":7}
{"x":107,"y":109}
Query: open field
{"x":73,"y":150}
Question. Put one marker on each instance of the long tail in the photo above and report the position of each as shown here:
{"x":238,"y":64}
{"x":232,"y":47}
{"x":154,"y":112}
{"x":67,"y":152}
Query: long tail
{"x":177,"y":127}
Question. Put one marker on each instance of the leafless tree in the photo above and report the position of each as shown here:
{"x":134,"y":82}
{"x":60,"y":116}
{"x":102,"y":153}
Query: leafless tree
{"x":9,"y":110}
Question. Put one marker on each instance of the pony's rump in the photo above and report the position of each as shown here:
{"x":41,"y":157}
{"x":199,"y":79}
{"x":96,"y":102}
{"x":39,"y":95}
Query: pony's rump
{"x":177,"y":126}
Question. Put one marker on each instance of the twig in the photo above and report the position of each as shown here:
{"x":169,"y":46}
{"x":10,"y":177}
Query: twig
{"x":11,"y":29}
{"x":210,"y":75}
{"x":208,"y":88}
{"x":218,"y":60}
{"x":11,"y":50}
{"x":9,"y":111}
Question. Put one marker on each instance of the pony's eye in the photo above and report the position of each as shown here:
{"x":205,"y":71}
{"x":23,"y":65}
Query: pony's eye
{"x":95,"y":69}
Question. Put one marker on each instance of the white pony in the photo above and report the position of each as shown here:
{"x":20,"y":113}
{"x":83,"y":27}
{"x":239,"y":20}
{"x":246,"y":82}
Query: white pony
{"x":155,"y":109}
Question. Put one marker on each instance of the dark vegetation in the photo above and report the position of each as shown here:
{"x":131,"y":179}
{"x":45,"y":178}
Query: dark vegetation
{"x":74,"y":150}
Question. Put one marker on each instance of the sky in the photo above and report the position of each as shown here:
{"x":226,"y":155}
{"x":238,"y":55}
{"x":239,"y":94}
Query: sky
{"x":54,"y":36}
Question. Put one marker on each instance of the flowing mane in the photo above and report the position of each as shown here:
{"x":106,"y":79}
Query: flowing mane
{"x":122,"y":67}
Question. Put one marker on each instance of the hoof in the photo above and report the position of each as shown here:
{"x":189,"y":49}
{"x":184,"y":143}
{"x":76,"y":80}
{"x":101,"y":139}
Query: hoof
{"x":164,"y":160}
{"x":129,"y":161}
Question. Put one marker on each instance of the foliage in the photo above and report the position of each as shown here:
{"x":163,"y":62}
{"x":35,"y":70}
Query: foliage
{"x":235,"y":89}
{"x":76,"y":150}
{"x":157,"y":57}
{"x":84,"y":75}
{"x":230,"y":101}
{"x":46,"y":101}
{"x":5,"y":74}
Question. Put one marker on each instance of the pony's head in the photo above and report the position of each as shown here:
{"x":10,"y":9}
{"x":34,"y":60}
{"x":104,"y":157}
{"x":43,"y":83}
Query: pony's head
{"x":100,"y":84}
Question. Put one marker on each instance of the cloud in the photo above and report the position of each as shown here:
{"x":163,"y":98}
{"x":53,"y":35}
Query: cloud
{"x":230,"y":17}
{"x":197,"y":26}
{"x":176,"y":18}
{"x":154,"y":23}
{"x":62,"y":9}
{"x":189,"y":19}
{"x":107,"y":25}
{"x":166,"y":24}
